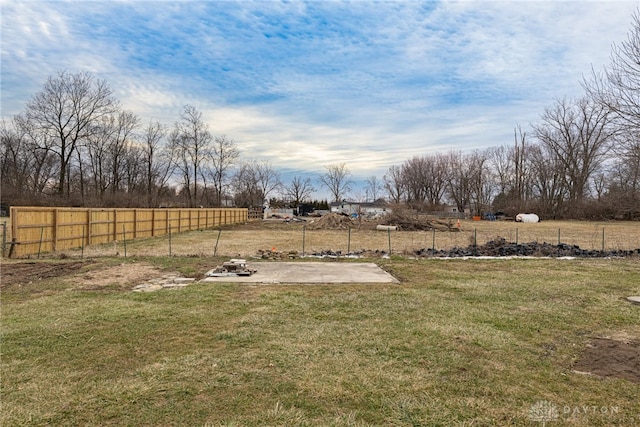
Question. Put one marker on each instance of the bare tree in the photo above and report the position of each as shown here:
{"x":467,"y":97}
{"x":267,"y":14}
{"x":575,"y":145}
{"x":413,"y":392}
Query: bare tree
{"x":547,"y":180}
{"x":425,"y":179}
{"x":26,"y":165}
{"x":96,"y":151}
{"x":500,"y":159}
{"x":299,"y":190}
{"x":268,"y":178}
{"x":224,"y":155}
{"x":481,"y":187}
{"x":394,"y":184}
{"x":623,"y":178}
{"x":337,"y":180}
{"x":191,"y":141}
{"x":123,"y":124}
{"x":415,"y":176}
{"x":253,"y":182}
{"x":579,"y":134}
{"x":511,"y":176}
{"x":246,"y":185}
{"x":373,"y":188}
{"x":64,"y":111}
{"x":107,"y":147}
{"x":618,"y":87}
{"x":440,"y":174}
{"x":459,"y":186}
{"x":157,"y":160}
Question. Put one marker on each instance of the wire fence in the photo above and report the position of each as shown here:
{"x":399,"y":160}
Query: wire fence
{"x":471,"y":239}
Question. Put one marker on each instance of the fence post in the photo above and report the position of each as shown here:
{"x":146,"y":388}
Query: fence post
{"x":89,"y":219}
{"x":304,"y":227}
{"x":215,"y":250}
{"x":124,"y":240}
{"x":135,"y":223}
{"x":389,"y":236}
{"x":40,"y":243}
{"x":602,"y":239}
{"x":349,"y":242}
{"x":54,"y":231}
{"x":4,"y":237}
{"x":115,"y":224}
{"x":169,"y":241}
{"x":475,"y":242}
{"x":433,"y":243}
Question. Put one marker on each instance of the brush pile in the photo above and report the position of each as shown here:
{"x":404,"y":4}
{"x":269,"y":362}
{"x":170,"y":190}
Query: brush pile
{"x":330,"y":221}
{"x":408,"y":221}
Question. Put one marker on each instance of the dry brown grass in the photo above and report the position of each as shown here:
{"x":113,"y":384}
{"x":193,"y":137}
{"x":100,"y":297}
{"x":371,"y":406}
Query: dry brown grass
{"x":457,"y":342}
{"x":247,"y":239}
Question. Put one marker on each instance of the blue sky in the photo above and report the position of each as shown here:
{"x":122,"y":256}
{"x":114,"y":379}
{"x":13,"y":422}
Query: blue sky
{"x":308,"y":84}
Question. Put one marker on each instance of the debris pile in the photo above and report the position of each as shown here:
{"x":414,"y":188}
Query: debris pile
{"x":500,"y":247}
{"x":234,"y":267}
{"x":330,"y":221}
{"x":407,"y":221}
{"x":272,"y":254}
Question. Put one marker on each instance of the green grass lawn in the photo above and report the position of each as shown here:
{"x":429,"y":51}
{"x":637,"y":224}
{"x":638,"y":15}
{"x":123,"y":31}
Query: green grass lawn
{"x":458,"y":342}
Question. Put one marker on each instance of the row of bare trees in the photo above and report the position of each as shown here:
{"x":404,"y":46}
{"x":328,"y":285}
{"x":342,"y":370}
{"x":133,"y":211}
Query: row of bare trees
{"x":75,"y":144}
{"x":580,"y":160}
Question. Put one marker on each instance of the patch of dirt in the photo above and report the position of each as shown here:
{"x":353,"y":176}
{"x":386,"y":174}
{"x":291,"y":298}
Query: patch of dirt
{"x":23,"y":273}
{"x":611,"y":358}
{"x":124,"y":276}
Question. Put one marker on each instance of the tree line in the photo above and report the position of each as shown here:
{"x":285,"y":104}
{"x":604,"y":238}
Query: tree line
{"x":580,"y":160}
{"x":74,"y":144}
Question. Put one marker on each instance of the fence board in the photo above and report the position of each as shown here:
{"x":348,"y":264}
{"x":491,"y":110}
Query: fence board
{"x":37,"y":229}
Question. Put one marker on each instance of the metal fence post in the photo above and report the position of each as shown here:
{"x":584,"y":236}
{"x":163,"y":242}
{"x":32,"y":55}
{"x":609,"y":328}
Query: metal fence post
{"x":215,"y":250}
{"x":433,"y":242}
{"x":4,"y":237}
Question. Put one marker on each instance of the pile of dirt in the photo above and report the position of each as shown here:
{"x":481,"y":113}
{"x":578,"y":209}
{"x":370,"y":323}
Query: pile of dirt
{"x":501,"y":247}
{"x":331,"y":221}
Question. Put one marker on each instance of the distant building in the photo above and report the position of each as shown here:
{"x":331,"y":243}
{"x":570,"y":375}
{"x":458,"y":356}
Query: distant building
{"x":452,"y":209}
{"x":366,"y":209}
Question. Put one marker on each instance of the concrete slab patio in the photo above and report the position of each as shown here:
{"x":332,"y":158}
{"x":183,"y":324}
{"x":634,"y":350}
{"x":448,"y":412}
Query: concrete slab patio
{"x":310,"y":272}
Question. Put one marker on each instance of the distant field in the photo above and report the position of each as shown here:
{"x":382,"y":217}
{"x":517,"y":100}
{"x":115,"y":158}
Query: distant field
{"x":246,"y":240}
{"x":458,"y":342}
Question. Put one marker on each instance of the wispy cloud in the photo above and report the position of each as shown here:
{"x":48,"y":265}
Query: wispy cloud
{"x":368,"y":83}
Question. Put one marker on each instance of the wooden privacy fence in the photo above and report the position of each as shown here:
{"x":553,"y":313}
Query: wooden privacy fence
{"x":35,"y":229}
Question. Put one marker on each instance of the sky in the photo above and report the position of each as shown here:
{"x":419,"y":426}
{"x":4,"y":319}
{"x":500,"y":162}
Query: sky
{"x":308,"y":84}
